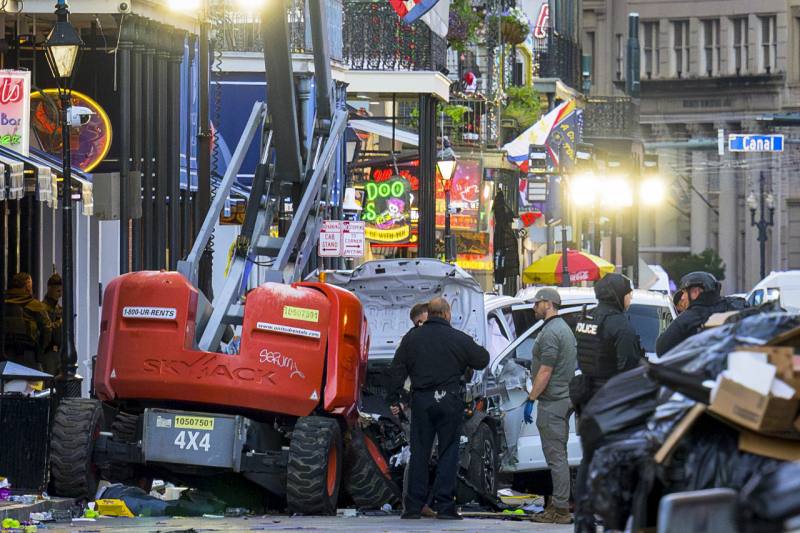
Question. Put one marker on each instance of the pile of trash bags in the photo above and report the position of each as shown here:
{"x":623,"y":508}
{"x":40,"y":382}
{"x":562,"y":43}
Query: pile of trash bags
{"x":629,"y":420}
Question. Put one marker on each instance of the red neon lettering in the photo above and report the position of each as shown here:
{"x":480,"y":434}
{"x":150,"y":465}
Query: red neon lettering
{"x":10,"y":92}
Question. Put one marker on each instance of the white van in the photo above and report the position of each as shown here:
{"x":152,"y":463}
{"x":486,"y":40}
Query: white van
{"x":783,"y":286}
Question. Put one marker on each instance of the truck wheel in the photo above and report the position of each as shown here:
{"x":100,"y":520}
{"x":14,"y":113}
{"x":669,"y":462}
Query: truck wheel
{"x":482,"y":471}
{"x":314,"y":470}
{"x":125,"y":428}
{"x":76,"y":426}
{"x":368,"y":478}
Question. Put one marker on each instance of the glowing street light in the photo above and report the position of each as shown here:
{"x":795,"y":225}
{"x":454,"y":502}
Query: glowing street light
{"x":583,"y":189}
{"x":652,"y":191}
{"x":616,"y":193}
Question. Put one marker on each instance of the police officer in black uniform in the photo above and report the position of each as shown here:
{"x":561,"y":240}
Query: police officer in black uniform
{"x":703,"y":291}
{"x":607,"y":345}
{"x":435,"y":357}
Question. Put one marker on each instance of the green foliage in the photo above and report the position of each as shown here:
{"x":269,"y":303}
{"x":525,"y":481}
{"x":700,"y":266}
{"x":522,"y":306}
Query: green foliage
{"x":523,"y":105}
{"x":707,"y":261}
{"x":465,"y":24}
{"x":455,"y":112}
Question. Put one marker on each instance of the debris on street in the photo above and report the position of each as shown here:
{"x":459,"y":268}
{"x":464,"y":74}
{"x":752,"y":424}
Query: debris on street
{"x":718,"y":411}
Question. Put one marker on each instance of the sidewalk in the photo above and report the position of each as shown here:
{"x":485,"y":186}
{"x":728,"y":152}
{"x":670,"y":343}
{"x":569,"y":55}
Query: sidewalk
{"x":22,"y":511}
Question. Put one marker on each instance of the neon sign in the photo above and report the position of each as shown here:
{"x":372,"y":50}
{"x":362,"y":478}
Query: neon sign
{"x":387,"y":210}
{"x":15,"y":89}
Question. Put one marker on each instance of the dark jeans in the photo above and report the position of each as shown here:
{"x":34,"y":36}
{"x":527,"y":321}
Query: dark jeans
{"x":432,"y":418}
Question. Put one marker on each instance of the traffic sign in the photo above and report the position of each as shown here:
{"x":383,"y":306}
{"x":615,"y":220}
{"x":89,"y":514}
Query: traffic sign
{"x":330,"y":238}
{"x":353,"y":238}
{"x":755,"y":143}
{"x":537,"y":189}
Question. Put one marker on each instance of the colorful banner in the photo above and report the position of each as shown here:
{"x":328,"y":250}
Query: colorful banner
{"x":411,"y":10}
{"x":15,"y":102}
{"x":561,"y":125}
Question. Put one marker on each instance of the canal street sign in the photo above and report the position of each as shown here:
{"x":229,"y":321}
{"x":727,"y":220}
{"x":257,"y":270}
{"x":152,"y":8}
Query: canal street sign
{"x":755,"y":143}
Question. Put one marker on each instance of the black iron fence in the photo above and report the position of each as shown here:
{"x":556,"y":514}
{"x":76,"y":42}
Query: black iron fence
{"x":556,"y":56}
{"x":469,"y":122}
{"x":241,"y":32}
{"x":374,"y":38}
{"x":610,"y":117}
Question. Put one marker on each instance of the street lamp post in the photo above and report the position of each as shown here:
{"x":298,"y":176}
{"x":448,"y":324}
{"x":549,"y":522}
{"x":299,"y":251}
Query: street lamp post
{"x":447,"y":168}
{"x":765,"y":201}
{"x":62,"y":48}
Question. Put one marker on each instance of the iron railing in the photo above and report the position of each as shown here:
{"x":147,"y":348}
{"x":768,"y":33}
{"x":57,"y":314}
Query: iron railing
{"x":241,"y":32}
{"x":374,"y":38}
{"x":610,"y":117}
{"x":473,"y":130}
{"x":557,"y":56}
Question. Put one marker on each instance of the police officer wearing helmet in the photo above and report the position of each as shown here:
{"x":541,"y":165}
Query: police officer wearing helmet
{"x":703,"y":292}
{"x":607,"y":345}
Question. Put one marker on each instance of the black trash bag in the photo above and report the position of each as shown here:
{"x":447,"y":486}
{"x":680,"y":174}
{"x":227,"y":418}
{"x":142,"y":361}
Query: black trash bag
{"x":773,"y":496}
{"x":705,"y":354}
{"x":196,"y":503}
{"x":687,"y":383}
{"x":709,"y":457}
{"x":666,"y":416}
{"x":614,"y":479}
{"x":625,"y":402}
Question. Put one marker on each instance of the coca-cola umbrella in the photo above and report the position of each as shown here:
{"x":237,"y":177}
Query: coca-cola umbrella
{"x":582,"y":267}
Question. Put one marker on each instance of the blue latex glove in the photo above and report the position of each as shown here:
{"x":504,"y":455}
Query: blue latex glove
{"x":529,"y":411}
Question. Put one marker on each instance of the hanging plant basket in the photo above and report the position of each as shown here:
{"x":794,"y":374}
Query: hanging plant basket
{"x":512,"y":31}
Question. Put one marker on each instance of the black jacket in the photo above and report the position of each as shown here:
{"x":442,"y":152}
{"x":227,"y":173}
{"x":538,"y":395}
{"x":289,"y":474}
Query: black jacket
{"x":691,"y":321}
{"x":435,"y":355}
{"x":610,"y":292}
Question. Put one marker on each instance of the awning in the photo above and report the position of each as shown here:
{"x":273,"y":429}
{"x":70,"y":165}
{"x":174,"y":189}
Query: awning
{"x":45,"y":171}
{"x":384,"y":129}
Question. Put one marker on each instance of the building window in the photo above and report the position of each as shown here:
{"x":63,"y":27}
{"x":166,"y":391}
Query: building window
{"x":740,"y":63}
{"x":650,"y":49}
{"x":588,"y":50}
{"x":620,"y":56}
{"x":711,"y":46}
{"x":769,"y":43}
{"x":680,"y":47}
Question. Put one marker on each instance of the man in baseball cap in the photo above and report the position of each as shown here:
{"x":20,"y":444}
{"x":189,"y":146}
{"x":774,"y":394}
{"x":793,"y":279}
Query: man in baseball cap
{"x":554,"y":360}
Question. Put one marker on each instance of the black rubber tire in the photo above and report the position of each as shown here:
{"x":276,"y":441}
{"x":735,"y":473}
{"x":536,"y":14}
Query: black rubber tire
{"x":307,"y":476}
{"x":125,"y":428}
{"x":368,"y":484}
{"x":76,"y":426}
{"x":482,"y":471}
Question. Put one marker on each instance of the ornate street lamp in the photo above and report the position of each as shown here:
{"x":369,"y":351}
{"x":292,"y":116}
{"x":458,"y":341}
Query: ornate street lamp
{"x":766,"y":202}
{"x":447,"y":167}
{"x":62,"y":49}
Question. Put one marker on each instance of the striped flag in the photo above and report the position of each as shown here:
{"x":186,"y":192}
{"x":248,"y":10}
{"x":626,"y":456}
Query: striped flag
{"x":551,"y":130}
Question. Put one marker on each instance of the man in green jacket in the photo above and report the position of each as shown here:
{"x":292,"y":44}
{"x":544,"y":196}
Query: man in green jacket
{"x":28,"y":327}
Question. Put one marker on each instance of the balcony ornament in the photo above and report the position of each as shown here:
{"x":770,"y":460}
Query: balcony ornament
{"x":514,"y":26}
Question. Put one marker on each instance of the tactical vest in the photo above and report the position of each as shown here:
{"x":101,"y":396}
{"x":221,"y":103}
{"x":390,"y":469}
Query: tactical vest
{"x":597,"y":357}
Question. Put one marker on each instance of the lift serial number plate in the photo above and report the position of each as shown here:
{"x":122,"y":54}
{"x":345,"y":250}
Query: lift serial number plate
{"x":194,"y":422}
{"x":192,"y":438}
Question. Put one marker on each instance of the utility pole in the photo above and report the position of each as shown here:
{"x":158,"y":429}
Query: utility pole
{"x":205,"y":273}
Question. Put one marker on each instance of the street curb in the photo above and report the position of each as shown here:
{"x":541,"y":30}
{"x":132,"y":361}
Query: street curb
{"x":22,"y":512}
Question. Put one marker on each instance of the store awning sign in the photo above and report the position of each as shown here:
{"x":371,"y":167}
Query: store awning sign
{"x":15,"y":104}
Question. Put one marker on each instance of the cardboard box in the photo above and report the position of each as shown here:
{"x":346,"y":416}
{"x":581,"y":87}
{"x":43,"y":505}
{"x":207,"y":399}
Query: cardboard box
{"x":718,"y":319}
{"x":752,"y":410}
{"x":772,"y":447}
{"x":784,"y":359}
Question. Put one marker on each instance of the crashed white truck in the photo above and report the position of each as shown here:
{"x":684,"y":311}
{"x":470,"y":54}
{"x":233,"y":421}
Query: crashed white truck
{"x":387,"y":290}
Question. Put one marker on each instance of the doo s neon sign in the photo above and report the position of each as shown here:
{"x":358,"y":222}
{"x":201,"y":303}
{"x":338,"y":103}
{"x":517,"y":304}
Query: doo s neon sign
{"x":381,"y":192}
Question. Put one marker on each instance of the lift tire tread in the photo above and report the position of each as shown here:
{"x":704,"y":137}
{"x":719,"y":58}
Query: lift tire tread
{"x":475,"y":473}
{"x":124,"y":428}
{"x":76,"y":425}
{"x":307,"y":469}
{"x":364,"y":480}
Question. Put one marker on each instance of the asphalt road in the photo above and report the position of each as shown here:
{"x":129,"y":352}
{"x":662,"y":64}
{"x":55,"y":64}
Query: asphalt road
{"x":383,"y":524}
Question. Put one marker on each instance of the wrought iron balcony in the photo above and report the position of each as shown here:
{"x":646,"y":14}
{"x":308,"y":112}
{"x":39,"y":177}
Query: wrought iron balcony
{"x":557,"y":56}
{"x":477,"y":126}
{"x":241,"y":32}
{"x":376,"y":39}
{"x":610,"y":117}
